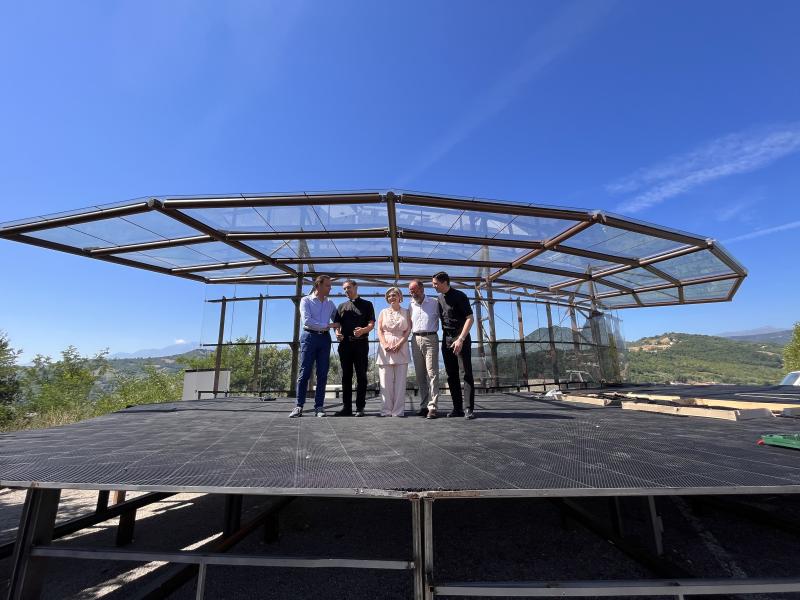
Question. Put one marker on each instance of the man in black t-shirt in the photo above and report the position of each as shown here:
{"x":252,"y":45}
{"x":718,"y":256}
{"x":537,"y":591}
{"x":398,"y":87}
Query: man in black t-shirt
{"x":356,"y":318}
{"x":456,"y":314}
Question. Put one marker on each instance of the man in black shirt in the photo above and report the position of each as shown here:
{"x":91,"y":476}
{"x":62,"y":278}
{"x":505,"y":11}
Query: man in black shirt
{"x":456,"y":314}
{"x":356,"y":317}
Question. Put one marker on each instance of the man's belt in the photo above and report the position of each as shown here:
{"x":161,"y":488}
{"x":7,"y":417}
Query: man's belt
{"x":314,"y":330}
{"x":353,"y":338}
{"x":425,"y":332}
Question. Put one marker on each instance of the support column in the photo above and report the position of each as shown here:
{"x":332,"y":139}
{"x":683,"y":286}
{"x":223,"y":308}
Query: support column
{"x":127,"y":520}
{"x":576,"y":337}
{"x":417,"y":550}
{"x":233,"y":514}
{"x":481,"y":349}
{"x":298,"y":292}
{"x":35,"y":529}
{"x":427,"y":537}
{"x":522,"y":342}
{"x":492,"y":333}
{"x":256,"y":386}
{"x":220,"y":338}
{"x":553,"y":354}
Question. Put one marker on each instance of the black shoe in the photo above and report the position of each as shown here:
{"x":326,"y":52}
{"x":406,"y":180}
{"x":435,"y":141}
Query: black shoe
{"x":343,"y":413}
{"x":423,"y":412}
{"x":456,"y":413}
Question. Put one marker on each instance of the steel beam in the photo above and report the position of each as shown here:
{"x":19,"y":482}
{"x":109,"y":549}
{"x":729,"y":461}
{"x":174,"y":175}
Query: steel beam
{"x":244,"y":201}
{"x":492,"y":333}
{"x":381,"y":232}
{"x":144,"y":246}
{"x":220,"y":338}
{"x":76,"y":219}
{"x":257,"y":358}
{"x":522,"y":341}
{"x":495,"y":207}
{"x":392,"y":214}
{"x":298,"y":293}
{"x":551,"y":339}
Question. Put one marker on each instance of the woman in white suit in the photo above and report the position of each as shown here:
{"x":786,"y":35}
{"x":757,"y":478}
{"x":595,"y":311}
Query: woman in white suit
{"x":394,"y":327}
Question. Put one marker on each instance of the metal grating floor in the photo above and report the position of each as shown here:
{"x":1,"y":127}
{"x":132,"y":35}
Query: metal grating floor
{"x":517,"y":446}
{"x":784,"y":394}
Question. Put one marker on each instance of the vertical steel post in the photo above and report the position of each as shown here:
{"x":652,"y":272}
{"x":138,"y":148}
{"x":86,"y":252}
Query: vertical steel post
{"x":417,"y":548}
{"x":492,"y":333}
{"x":127,"y":521}
{"x":257,"y":358}
{"x":35,"y":529}
{"x":298,"y":292}
{"x":522,"y":342}
{"x":576,"y":337}
{"x":658,"y":526}
{"x":427,"y":537}
{"x":102,"y":501}
{"x":201,"y":581}
{"x":233,"y":514}
{"x":481,"y":349}
{"x":553,"y":354}
{"x":220,"y":338}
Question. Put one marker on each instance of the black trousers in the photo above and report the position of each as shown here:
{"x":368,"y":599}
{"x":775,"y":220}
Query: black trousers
{"x":451,"y":365}
{"x":354,"y":356}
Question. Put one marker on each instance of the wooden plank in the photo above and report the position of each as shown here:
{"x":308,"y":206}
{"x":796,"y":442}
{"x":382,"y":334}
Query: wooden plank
{"x":696,"y":411}
{"x":592,"y":399}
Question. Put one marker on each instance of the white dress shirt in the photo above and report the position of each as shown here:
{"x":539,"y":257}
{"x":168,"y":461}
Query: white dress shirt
{"x":424,"y":316}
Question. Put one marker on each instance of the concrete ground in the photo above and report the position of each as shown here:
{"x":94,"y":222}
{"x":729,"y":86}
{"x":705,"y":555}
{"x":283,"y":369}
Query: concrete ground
{"x":510,"y":539}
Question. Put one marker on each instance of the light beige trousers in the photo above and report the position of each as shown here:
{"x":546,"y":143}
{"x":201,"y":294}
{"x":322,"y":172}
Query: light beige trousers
{"x":393,"y":389}
{"x":425,"y":352}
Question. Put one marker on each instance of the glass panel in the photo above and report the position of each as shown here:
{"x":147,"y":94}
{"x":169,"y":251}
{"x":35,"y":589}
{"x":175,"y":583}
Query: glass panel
{"x":384,"y":269}
{"x":711,"y":290}
{"x":351,"y":216}
{"x":667,"y":295}
{"x":557,"y":260}
{"x":161,"y":225}
{"x":618,"y":300}
{"x":534,"y":228}
{"x":635,"y":278}
{"x":243,"y":271}
{"x":532,"y":277}
{"x":244,"y":219}
{"x":144,"y":258}
{"x":697,"y":264}
{"x":196,"y":254}
{"x":71,"y":237}
{"x":612,"y":240}
{"x":455,"y":221}
{"x":120,"y":231}
{"x":274,"y":248}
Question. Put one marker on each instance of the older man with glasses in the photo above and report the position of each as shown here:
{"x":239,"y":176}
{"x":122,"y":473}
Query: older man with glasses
{"x":425,"y":346}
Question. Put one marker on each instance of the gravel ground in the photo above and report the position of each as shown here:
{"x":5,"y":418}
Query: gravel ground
{"x":475,"y":540}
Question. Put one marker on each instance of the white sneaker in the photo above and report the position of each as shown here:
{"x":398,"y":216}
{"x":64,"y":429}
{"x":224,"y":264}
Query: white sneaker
{"x":297,"y":411}
{"x":319,"y":412}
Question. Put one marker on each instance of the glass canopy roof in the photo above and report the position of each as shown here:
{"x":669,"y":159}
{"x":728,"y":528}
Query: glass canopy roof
{"x":573,"y":256}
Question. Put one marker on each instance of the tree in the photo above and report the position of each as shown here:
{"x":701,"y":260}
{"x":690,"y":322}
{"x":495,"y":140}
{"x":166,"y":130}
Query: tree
{"x":273,"y":372}
{"x":791,"y":352}
{"x":129,"y":390}
{"x":9,"y":382}
{"x":63,"y":386}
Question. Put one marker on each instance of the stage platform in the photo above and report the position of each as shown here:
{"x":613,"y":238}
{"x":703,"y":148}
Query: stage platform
{"x":518,"y":446}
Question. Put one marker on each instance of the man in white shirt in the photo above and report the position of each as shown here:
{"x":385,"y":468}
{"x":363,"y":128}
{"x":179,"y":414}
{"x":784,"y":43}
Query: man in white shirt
{"x":316,"y":312}
{"x":425,"y":347}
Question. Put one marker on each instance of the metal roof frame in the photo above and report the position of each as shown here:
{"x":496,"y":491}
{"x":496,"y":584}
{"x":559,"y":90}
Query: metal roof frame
{"x":518,"y":275}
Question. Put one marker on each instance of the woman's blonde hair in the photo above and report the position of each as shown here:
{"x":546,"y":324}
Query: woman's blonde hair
{"x":395,"y":290}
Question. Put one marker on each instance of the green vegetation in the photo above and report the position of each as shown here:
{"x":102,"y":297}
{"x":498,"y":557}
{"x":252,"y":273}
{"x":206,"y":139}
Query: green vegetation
{"x":791,"y":352}
{"x":75,"y":387}
{"x":686,"y":358}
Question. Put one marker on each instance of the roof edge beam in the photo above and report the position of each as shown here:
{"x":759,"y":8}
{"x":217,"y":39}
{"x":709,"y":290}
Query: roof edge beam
{"x":415,"y":234}
{"x":65,"y":221}
{"x":306,"y":235}
{"x":244,"y":201}
{"x":524,"y":210}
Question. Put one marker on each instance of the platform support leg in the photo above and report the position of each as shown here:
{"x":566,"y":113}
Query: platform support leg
{"x":127,"y":521}
{"x":233,"y":514}
{"x":427,"y":536}
{"x":102,"y":501}
{"x":417,"y":548}
{"x":615,"y":509}
{"x":201,"y":581}
{"x":657,"y":525}
{"x":35,"y":529}
{"x":272,"y":528}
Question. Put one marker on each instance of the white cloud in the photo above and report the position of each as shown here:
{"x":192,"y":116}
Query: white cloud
{"x":180,"y":341}
{"x":547,"y":43}
{"x":766,"y":231}
{"x":728,"y":155}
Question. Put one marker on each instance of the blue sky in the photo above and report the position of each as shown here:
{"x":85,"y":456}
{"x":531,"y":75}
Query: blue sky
{"x":684,"y":114}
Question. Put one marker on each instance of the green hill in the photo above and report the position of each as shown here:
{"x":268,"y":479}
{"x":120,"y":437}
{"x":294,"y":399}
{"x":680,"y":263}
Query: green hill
{"x":687,"y":358}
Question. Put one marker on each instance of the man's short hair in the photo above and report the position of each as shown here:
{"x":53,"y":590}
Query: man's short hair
{"x":417,"y":281}
{"x":346,"y":281}
{"x":319,"y":279}
{"x":443,"y":277}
